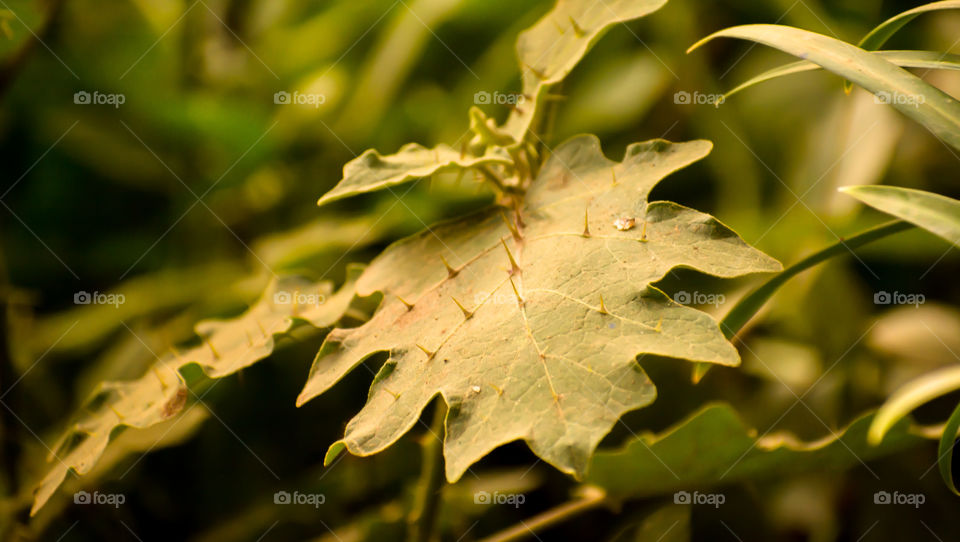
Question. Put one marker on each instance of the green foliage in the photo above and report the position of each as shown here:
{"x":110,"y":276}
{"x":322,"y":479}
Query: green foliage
{"x":528,"y":325}
{"x":945,"y":451}
{"x":227,"y":346}
{"x":714,"y":446}
{"x":910,"y":396}
{"x":930,"y":60}
{"x":537,"y":315}
{"x":909,"y":94}
{"x":935,"y":213}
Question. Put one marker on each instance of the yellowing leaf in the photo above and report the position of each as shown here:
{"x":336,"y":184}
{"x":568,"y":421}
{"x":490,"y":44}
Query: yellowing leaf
{"x":530,"y":329}
{"x":550,"y":49}
{"x":162,"y":393}
{"x":372,"y":171}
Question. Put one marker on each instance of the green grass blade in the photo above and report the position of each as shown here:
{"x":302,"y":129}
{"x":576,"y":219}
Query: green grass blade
{"x":935,"y":213}
{"x":879,"y":35}
{"x":913,"y":97}
{"x":945,"y":450}
{"x":912,"y":395}
{"x":750,"y":305}
{"x":931,"y":60}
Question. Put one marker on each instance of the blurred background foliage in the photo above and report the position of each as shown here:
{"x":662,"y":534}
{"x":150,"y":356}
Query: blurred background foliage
{"x":192,"y":194}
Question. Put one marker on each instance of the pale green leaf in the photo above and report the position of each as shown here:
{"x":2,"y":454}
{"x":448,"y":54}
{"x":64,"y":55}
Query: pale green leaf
{"x":930,"y":60}
{"x":161,"y":393}
{"x":714,"y":446}
{"x":550,"y":49}
{"x":373,"y":171}
{"x":546,"y":351}
{"x":909,"y":94}
{"x":910,"y":396}
{"x":932,"y":212}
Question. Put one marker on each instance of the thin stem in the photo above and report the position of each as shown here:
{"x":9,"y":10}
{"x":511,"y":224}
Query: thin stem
{"x":423,"y":518}
{"x":593,"y":497}
{"x":750,"y":305}
{"x":493,"y":178}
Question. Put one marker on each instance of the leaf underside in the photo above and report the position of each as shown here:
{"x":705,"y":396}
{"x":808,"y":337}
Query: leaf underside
{"x":161,"y":393}
{"x":533,"y":330}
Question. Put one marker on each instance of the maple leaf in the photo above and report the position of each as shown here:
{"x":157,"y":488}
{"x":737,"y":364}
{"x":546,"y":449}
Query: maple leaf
{"x":529,"y":327}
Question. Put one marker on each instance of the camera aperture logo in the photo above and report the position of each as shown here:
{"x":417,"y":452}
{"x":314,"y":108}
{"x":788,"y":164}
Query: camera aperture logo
{"x":699,"y":298}
{"x":911,"y":499}
{"x":298,"y":299}
{"x":898,"y":298}
{"x":97,"y":298}
{"x":299,"y":98}
{"x":513,"y":499}
{"x":498,"y":98}
{"x":313,"y":499}
{"x":99,"y":98}
{"x":110,"y":499}
{"x":711,"y":499}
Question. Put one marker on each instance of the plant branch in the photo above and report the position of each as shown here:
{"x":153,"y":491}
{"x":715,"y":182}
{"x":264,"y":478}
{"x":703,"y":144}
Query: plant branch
{"x":592,"y":497}
{"x":423,"y":518}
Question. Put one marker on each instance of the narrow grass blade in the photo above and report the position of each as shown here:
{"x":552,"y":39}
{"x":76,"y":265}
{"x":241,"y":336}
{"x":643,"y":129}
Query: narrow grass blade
{"x":915,"y":393}
{"x":909,"y":94}
{"x":935,"y":213}
{"x":930,"y":60}
{"x":945,"y":450}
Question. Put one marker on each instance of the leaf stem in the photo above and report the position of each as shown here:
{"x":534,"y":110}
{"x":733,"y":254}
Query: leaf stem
{"x":423,"y":518}
{"x":592,"y":497}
